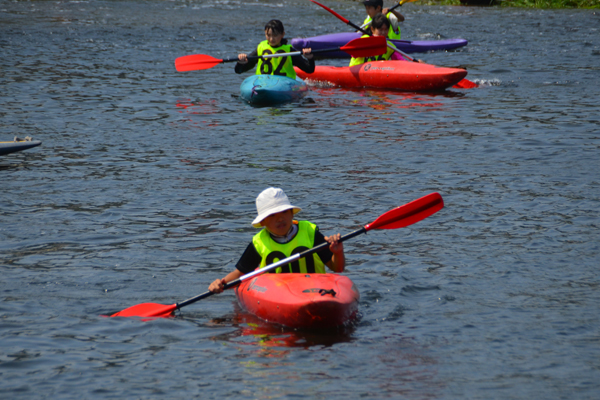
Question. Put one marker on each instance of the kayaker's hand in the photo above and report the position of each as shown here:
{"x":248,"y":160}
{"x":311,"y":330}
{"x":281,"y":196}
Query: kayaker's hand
{"x":335,"y":245}
{"x":307,"y":53}
{"x":217,"y":286}
{"x":338,"y":261}
{"x":242,"y":58}
{"x":385,"y":11}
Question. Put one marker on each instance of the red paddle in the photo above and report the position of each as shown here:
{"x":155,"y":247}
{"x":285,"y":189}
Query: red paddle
{"x":361,"y":47}
{"x":399,"y":217}
{"x":467,"y":85}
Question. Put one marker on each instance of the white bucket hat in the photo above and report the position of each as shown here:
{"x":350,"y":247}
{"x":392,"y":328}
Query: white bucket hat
{"x":271,"y":201}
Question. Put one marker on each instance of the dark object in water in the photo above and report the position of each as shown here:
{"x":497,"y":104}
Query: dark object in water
{"x":17,"y":145}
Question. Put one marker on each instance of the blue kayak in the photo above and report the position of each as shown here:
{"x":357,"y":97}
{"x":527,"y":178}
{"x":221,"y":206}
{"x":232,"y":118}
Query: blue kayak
{"x":17,"y":145}
{"x":272,"y":89}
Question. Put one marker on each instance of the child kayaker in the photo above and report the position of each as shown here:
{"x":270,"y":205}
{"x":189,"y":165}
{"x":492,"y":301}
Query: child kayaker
{"x":276,"y":43}
{"x":379,"y":27}
{"x":374,"y":7}
{"x":281,"y":237}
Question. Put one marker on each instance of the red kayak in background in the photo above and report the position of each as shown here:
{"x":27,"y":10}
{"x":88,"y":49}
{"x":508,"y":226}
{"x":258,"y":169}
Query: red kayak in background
{"x":390,"y":74}
{"x":301,"y":301}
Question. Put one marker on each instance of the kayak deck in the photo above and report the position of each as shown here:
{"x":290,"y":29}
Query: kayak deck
{"x":302,"y":301}
{"x":272,"y":89}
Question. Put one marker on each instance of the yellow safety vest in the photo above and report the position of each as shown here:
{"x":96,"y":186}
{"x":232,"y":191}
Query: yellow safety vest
{"x":270,"y":251}
{"x":361,"y":60}
{"x":392,"y":34}
{"x":275,"y":66}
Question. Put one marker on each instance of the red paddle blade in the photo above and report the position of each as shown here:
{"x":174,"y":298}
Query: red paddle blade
{"x":196,"y":62}
{"x":331,"y":11}
{"x":465,"y":84}
{"x":408,"y":214}
{"x":366,"y":47}
{"x":147,"y":310}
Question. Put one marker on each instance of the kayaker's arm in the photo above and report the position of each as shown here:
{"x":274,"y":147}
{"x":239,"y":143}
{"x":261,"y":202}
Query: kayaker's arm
{"x":337,"y":263}
{"x":304,"y":64}
{"x":251,"y":63}
{"x":218,"y":285}
{"x":396,"y":13}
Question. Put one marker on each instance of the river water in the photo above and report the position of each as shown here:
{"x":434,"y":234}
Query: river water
{"x":143,"y":191}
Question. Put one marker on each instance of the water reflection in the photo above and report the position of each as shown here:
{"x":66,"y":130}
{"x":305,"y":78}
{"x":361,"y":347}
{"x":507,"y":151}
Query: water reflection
{"x":382,"y":100}
{"x":254,"y":331}
{"x":198,"y":109}
{"x":203,"y":107}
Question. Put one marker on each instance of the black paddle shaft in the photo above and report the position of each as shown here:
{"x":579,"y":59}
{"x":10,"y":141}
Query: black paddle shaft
{"x":234,"y":59}
{"x":396,"y":6}
{"x":236,"y":282}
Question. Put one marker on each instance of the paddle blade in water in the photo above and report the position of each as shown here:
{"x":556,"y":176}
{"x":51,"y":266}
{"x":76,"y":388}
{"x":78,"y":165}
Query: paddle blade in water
{"x":408,"y":214}
{"x":366,"y":47}
{"x":196,"y":62}
{"x":147,"y":310}
{"x":465,"y":84}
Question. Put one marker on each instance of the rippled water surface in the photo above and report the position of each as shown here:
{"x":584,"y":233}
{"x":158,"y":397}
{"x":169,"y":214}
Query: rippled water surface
{"x":143,"y":191}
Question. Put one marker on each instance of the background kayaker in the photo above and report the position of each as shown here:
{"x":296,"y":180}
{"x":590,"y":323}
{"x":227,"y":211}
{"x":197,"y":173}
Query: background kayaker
{"x":379,"y":27}
{"x":281,"y":237}
{"x":276,"y":43}
{"x":374,"y":7}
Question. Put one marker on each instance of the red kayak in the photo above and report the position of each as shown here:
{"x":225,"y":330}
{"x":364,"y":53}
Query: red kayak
{"x":302,"y":301}
{"x":400,"y":75}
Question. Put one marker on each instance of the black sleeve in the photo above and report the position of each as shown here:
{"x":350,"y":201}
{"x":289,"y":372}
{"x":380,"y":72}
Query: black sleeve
{"x":241,"y":68}
{"x":325,"y":254}
{"x":249,"y":261}
{"x":304,"y":64}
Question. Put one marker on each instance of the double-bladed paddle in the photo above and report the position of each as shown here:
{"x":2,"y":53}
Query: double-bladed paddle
{"x":463,"y":84}
{"x":361,"y":47}
{"x":399,"y":217}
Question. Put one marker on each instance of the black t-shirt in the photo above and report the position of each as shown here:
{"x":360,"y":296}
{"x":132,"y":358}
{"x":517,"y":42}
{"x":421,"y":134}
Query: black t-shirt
{"x":250,"y":260}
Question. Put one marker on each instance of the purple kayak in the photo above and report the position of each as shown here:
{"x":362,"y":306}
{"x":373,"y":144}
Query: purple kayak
{"x":340,"y":39}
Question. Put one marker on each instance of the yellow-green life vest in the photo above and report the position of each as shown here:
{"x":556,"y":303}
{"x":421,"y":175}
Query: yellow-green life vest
{"x":270,"y":251}
{"x":392,"y":34}
{"x":361,"y":60}
{"x":275,"y":66}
